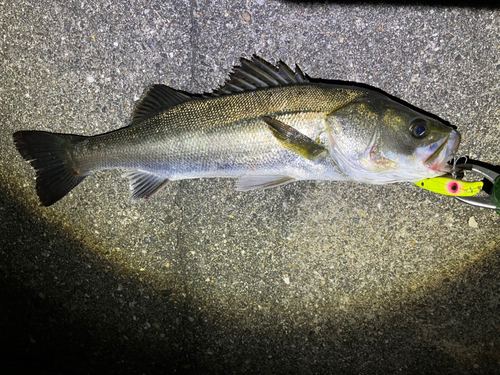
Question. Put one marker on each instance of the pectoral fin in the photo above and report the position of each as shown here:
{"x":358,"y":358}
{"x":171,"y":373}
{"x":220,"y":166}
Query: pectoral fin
{"x":293,"y":140}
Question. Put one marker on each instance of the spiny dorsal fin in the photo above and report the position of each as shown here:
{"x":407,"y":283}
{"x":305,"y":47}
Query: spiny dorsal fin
{"x":157,"y":99}
{"x":258,"y":73}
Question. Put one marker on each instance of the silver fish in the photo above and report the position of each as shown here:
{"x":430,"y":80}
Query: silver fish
{"x":267,"y":126}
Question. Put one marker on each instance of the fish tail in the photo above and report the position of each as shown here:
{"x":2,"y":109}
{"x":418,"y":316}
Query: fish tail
{"x":49,"y":154}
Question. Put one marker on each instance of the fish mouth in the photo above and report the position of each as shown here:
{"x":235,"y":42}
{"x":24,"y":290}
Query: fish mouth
{"x":445,"y":151}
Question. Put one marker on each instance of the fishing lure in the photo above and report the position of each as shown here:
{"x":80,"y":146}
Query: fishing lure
{"x":451,"y":186}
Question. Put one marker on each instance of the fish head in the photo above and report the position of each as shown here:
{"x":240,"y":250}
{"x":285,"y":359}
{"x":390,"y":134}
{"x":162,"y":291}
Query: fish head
{"x":377,"y":140}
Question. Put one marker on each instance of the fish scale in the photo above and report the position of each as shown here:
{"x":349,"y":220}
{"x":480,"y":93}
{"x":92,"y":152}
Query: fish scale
{"x":196,"y":139}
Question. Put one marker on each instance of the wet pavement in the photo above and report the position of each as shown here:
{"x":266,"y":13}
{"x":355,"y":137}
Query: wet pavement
{"x":308,"y":278}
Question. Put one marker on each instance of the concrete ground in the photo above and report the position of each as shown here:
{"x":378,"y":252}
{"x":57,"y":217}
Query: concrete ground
{"x":309,"y":278}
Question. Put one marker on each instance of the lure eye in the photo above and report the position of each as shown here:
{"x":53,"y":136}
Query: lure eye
{"x":418,"y":128}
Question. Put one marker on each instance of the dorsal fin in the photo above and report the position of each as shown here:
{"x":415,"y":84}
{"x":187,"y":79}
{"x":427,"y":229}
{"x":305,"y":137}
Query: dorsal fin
{"x":157,"y":99}
{"x":257,"y":73}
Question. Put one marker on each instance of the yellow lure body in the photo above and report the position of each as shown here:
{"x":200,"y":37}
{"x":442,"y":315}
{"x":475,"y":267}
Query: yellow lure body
{"x":451,"y":186}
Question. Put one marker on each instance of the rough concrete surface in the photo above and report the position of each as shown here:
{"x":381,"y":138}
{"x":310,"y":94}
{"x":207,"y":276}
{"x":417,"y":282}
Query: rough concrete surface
{"x":308,"y":278}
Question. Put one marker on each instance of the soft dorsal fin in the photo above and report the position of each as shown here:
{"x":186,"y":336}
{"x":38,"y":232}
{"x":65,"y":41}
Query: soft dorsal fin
{"x":157,"y":98}
{"x":257,"y":73}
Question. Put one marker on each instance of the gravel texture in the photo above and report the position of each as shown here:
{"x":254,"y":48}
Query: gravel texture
{"x":308,"y":278}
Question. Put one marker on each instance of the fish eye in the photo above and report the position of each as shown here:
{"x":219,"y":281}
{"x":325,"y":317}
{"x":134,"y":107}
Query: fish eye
{"x":418,"y":128}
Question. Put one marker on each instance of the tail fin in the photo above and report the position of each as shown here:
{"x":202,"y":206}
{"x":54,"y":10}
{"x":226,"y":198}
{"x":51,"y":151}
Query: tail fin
{"x":48,"y":153}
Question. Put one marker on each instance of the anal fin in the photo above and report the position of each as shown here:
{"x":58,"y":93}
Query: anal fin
{"x":258,"y":182}
{"x":144,"y":184}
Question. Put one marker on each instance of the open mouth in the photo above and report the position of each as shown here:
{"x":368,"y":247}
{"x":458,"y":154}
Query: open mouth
{"x":444,"y":152}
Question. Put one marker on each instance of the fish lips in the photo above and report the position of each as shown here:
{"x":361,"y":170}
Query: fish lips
{"x":445,"y":149}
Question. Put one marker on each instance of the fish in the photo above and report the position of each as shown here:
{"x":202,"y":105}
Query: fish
{"x":267,"y":126}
